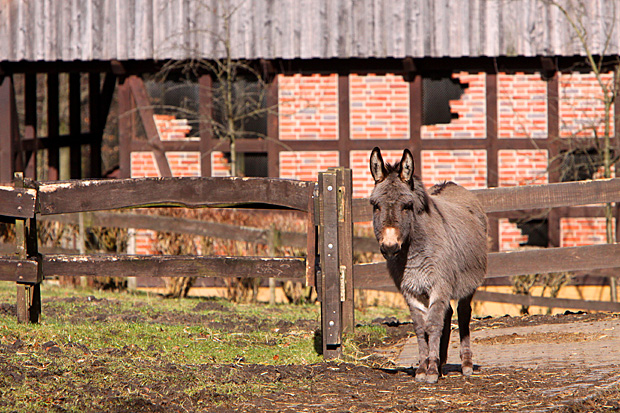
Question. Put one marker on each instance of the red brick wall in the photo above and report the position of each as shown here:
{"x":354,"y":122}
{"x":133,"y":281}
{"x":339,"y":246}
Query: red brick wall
{"x":581,"y":105}
{"x":522,"y":106}
{"x":522,"y":167}
{"x":306,"y":166}
{"x":583,"y":231}
{"x":308,"y":107}
{"x":465,"y":167}
{"x":471,"y":108}
{"x":379,"y":107}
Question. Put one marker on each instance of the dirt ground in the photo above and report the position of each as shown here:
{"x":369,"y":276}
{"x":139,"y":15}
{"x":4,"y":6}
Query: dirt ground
{"x":569,"y":363}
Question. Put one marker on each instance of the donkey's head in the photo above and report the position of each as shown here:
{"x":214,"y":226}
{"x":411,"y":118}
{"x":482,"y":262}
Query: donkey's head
{"x":397,"y":199}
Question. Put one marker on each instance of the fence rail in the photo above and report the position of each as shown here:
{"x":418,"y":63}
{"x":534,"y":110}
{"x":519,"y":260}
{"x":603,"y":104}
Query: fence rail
{"x":330,"y":212}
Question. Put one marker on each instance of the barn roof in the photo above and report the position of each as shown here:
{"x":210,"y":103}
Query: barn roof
{"x":86,"y":30}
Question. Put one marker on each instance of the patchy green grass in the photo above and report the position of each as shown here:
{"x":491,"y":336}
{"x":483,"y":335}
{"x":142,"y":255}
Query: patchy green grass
{"x":140,"y":352}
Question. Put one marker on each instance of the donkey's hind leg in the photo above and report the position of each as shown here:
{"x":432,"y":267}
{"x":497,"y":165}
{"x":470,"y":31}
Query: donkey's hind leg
{"x":464,"y":313}
{"x":445,"y":336}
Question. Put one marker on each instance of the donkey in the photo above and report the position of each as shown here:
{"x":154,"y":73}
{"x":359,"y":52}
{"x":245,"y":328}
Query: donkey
{"x":435,"y":244}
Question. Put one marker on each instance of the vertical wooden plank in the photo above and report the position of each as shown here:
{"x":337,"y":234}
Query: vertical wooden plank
{"x":96,"y":123}
{"x":330,"y":301}
{"x":492,"y":150}
{"x":553,"y":143}
{"x":144,"y":108}
{"x":206,"y":127}
{"x":312,"y":247}
{"x":7,"y":117}
{"x":415,"y":120}
{"x":273,"y":129}
{"x":53,"y":124}
{"x":344,"y":180}
{"x":20,"y":252}
{"x":344,"y":127}
{"x":75,"y":125}
{"x":124,"y":129}
{"x":30,"y":118}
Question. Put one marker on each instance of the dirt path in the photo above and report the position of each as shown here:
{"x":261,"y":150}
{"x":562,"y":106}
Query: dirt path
{"x":587,"y":344}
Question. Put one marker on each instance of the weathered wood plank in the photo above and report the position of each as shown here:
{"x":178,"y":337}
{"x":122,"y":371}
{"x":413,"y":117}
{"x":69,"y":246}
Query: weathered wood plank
{"x":563,"y":194}
{"x":554,"y":260}
{"x":17,"y":202}
{"x":93,"y":195}
{"x":181,"y":225}
{"x":21,"y":271}
{"x":501,"y":264}
{"x":550,"y":195}
{"x":173,"y":266}
{"x":530,"y":300}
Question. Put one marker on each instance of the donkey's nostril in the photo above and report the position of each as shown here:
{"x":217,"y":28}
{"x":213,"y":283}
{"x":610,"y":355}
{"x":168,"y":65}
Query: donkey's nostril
{"x":390,"y":250}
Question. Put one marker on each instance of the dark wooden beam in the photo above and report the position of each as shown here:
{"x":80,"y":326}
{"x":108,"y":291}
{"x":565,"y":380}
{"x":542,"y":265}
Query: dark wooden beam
{"x":53,"y":127}
{"x":10,"y":143}
{"x":344,"y":127}
{"x":125,"y":115}
{"x":96,"y":123}
{"x":95,"y":195}
{"x":30,"y":123}
{"x":145,"y":110}
{"x":273,"y":130}
{"x":492,"y":122}
{"x":415,"y":121}
{"x":173,"y":266}
{"x":553,"y":145}
{"x":75,"y":123}
{"x":206,"y":130}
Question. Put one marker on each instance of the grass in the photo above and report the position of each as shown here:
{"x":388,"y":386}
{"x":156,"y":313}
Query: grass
{"x":134,"y":351}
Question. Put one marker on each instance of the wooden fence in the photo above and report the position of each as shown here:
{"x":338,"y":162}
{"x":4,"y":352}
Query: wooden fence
{"x":330,"y":210}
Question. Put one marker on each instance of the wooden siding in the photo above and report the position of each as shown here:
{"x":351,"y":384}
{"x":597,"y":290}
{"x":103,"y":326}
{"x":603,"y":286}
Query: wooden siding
{"x":50,"y":30}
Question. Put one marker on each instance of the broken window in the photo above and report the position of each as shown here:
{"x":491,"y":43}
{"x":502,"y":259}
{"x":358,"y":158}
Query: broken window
{"x":536,"y":231}
{"x":580,"y":164}
{"x":436,"y":96}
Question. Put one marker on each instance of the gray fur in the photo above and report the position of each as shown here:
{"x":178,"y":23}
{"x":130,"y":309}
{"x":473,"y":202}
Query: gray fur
{"x":436,"y":251}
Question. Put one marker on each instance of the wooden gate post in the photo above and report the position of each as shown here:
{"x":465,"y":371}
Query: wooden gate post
{"x":336,"y":258}
{"x":28,"y":295}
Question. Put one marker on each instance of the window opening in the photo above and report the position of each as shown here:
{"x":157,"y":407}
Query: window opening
{"x":436,"y":96}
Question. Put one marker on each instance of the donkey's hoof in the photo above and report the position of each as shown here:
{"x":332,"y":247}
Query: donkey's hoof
{"x":420,"y":377}
{"x":432,"y":378}
{"x":468,"y":371}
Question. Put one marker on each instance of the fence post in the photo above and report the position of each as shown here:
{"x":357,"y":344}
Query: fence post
{"x":28,"y":295}
{"x":336,"y":258}
{"x":344,"y":180}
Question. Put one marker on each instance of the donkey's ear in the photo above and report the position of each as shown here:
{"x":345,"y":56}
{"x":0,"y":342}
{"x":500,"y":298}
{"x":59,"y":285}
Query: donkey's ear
{"x":406,"y":166}
{"x":377,"y":167}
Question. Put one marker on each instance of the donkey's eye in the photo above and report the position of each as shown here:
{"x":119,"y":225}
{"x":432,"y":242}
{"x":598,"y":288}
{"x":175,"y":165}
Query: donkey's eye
{"x":408,"y":207}
{"x":376,"y":207}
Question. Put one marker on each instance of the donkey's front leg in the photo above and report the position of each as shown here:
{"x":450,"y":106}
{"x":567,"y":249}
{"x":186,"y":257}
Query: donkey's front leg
{"x":435,"y":321}
{"x":464,"y":312}
{"x":418,"y":316}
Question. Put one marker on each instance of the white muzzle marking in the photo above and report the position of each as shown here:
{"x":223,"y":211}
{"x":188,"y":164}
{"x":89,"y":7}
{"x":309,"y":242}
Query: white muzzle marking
{"x":390,"y":236}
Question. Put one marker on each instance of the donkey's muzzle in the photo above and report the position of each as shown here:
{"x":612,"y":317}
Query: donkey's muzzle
{"x":390,"y":242}
{"x":389,"y":250}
